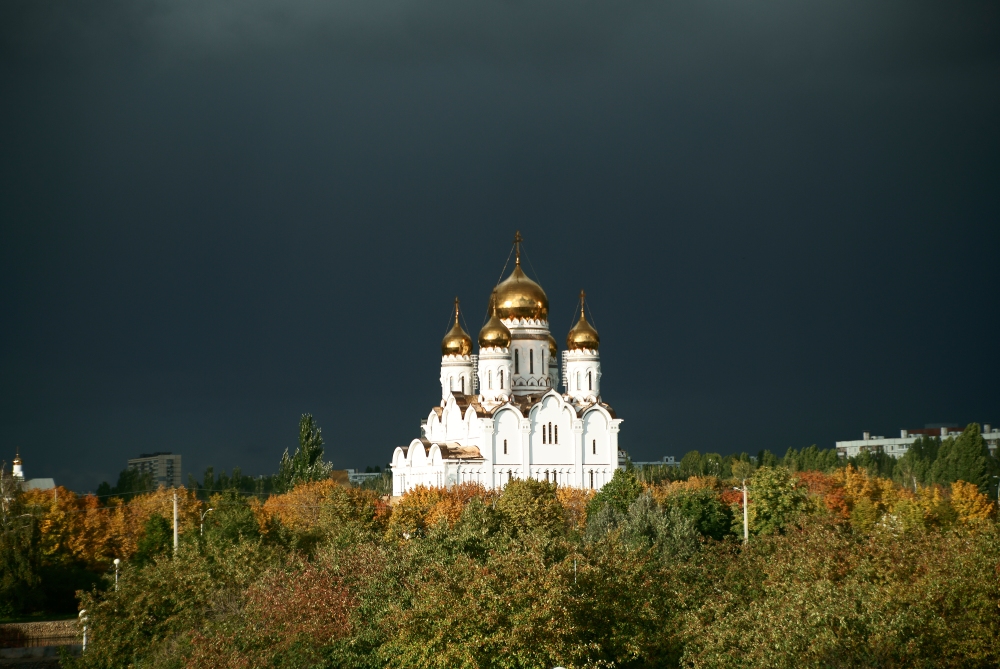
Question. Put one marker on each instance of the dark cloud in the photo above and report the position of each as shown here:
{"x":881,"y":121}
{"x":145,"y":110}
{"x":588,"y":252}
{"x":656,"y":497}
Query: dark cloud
{"x":217,"y":216}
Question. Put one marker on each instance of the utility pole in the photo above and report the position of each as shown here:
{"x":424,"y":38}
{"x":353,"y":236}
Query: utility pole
{"x":175,"y":521}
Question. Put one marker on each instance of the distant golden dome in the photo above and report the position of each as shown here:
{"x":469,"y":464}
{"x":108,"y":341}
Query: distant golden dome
{"x":517,"y":296}
{"x":583,"y":335}
{"x":494,"y":334}
{"x":457,"y":341}
{"x":553,"y":349}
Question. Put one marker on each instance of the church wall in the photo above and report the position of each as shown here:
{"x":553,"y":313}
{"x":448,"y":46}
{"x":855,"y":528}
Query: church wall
{"x":596,"y":436}
{"x":551,"y":433}
{"x":507,"y":428}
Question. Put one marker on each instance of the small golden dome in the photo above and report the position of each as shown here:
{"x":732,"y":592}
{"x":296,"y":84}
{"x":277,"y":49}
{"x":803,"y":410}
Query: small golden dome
{"x":583,"y":335}
{"x":518,"y":297}
{"x":457,"y":341}
{"x":494,"y":334}
{"x":553,"y":348}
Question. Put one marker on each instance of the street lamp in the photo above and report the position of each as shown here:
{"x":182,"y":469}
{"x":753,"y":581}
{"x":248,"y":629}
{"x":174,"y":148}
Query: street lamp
{"x":201,"y":529}
{"x":117,"y":562}
{"x":83,"y":619}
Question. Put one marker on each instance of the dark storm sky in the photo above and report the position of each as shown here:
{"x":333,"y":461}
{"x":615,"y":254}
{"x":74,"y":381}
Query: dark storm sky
{"x":219,"y":215}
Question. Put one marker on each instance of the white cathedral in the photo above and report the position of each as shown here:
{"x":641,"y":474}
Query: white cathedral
{"x":501,"y":415}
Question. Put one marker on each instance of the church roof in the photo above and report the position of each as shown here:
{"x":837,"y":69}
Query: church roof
{"x":454,"y":451}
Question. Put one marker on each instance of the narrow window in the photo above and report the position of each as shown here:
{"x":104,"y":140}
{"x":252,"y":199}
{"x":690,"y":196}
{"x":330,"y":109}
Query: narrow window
{"x":517,"y":362}
{"x":501,"y":379}
{"x":463,"y":385}
{"x":590,"y":381}
{"x":505,"y":447}
{"x":578,"y":380}
{"x":557,"y":434}
{"x":594,"y":443}
{"x":546,"y":475}
{"x":489,"y":380}
{"x":531,"y":368}
{"x":591,"y":479}
{"x":543,"y":434}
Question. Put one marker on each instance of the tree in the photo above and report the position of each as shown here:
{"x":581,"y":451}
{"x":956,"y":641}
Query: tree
{"x":963,"y":459}
{"x":131,"y":482}
{"x":691,"y":464}
{"x":156,"y":540}
{"x":307,"y":464}
{"x":20,"y":556}
{"x":619,"y":492}
{"x":775,"y":500}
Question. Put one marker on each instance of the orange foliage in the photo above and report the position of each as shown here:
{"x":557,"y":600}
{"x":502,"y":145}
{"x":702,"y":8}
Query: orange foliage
{"x":827,"y":488}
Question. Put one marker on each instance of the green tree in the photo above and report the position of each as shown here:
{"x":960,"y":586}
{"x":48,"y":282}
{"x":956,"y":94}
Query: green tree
{"x":963,"y":459}
{"x":619,"y":492}
{"x":20,"y":553}
{"x":307,"y":464}
{"x":157,"y":539}
{"x":528,"y":506}
{"x":131,"y":482}
{"x":775,"y":500}
{"x":691,"y":464}
{"x":710,"y":516}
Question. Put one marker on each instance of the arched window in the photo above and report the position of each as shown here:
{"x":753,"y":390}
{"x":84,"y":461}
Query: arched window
{"x":501,"y":379}
{"x":546,"y":475}
{"x":543,"y":434}
{"x":489,"y":380}
{"x":591,"y":479}
{"x":451,"y":383}
{"x":505,"y":447}
{"x":517,"y":361}
{"x":578,"y":380}
{"x":557,"y":434}
{"x":594,"y":443}
{"x":531,"y":365}
{"x":463,"y":384}
{"x":590,"y":381}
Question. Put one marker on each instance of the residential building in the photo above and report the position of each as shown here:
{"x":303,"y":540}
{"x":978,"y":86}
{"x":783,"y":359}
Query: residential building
{"x":898,"y":446}
{"x":164,"y":466}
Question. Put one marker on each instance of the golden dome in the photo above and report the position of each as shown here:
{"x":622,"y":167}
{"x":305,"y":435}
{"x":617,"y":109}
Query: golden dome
{"x":553,"y":348}
{"x":517,"y":296}
{"x":494,"y":334}
{"x":583,"y":335}
{"x":457,"y":341}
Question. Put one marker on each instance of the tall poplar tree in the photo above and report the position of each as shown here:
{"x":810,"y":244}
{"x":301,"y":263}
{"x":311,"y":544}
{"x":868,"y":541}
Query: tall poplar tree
{"x":307,"y":464}
{"x":963,"y":459}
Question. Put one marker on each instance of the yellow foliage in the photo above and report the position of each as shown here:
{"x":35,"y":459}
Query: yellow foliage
{"x":879,"y":494}
{"x":970,"y":504}
{"x":299,"y":508}
{"x":96,"y":534}
{"x":424,"y":507}
{"x":574,"y":501}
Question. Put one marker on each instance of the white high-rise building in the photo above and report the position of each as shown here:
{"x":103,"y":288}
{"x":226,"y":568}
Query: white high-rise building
{"x":501,"y":416}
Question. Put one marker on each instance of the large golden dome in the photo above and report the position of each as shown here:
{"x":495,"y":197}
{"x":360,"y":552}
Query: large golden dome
{"x":583,"y":335}
{"x":457,"y":341}
{"x":494,"y":334}
{"x":517,"y":296}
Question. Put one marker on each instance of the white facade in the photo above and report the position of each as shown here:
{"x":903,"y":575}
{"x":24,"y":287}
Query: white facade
{"x":898,"y":446}
{"x":516,"y":424}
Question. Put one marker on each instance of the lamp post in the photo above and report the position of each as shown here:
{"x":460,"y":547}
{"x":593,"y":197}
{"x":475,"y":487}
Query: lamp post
{"x":117,"y":562}
{"x":83,"y":619}
{"x":201,"y":529}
